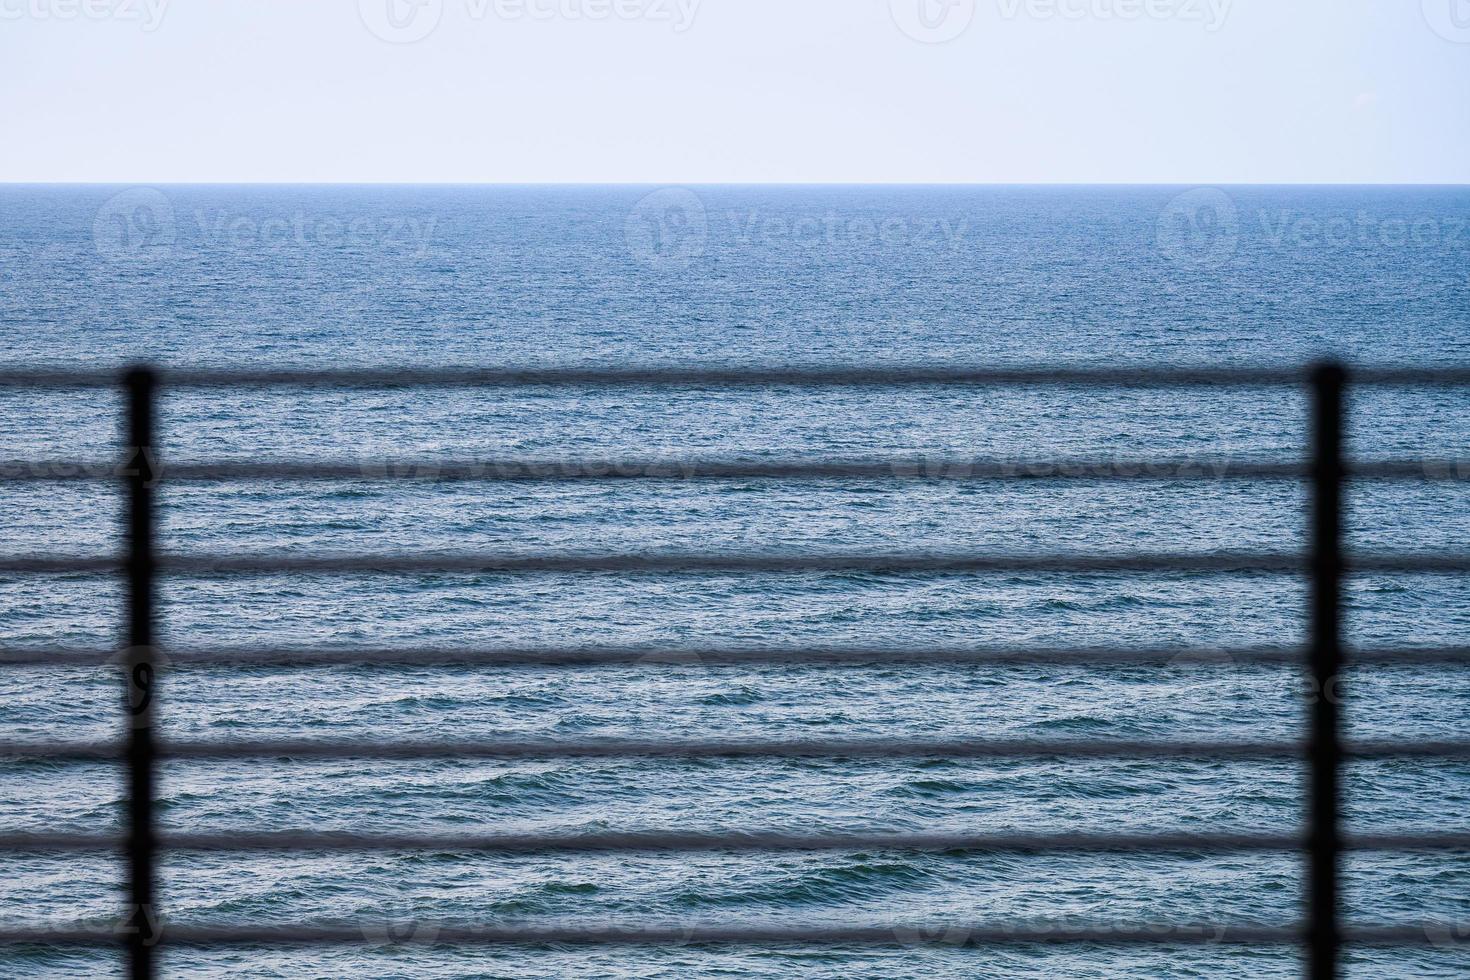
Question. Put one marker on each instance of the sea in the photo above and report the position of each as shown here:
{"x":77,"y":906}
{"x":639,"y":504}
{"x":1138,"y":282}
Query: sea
{"x":789,"y":276}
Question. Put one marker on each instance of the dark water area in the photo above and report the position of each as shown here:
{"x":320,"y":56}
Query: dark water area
{"x":446,"y":276}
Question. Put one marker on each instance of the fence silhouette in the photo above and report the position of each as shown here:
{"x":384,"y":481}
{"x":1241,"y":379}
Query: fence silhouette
{"x":1324,"y":562}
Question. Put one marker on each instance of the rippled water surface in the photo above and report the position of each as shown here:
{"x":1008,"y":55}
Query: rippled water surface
{"x":457,"y":276}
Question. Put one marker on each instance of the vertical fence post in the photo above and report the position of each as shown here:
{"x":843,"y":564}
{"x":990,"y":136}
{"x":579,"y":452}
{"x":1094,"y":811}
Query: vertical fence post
{"x":1324,"y":844}
{"x":142,"y":388}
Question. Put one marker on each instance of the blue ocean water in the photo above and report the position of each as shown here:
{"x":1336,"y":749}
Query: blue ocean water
{"x":328,"y":276}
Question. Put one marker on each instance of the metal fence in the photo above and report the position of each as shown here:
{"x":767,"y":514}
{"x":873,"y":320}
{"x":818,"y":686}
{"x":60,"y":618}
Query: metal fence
{"x":1325,"y":563}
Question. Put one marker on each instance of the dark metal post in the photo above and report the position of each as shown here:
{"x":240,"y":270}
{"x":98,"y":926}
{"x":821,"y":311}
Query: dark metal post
{"x":140,"y":663}
{"x":1324,"y":844}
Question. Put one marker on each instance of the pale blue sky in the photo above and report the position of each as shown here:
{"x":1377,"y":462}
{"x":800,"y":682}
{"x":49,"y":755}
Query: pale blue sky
{"x":667,"y":91}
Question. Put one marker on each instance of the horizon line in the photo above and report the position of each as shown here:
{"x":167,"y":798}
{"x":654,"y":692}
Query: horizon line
{"x":113,"y":182}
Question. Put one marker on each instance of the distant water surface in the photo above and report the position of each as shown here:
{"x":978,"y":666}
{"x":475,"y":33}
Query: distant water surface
{"x":333,"y":276}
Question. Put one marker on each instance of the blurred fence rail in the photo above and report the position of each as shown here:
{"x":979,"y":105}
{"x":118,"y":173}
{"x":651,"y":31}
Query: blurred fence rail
{"x":1324,"y":469}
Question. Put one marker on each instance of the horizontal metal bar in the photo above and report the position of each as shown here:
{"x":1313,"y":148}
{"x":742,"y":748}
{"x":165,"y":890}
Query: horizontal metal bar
{"x":555,"y":470}
{"x":1389,"y":376}
{"x":750,"y":749}
{"x":735,"y":657}
{"x":673,"y":375}
{"x":78,"y":565}
{"x":732,"y":841}
{"x":383,"y":932}
{"x":896,"y":375}
{"x":748,"y":376}
{"x":1218,"y":563}
{"x":933,"y":469}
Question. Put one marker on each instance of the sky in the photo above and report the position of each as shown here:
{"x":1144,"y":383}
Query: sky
{"x":735,"y":91}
